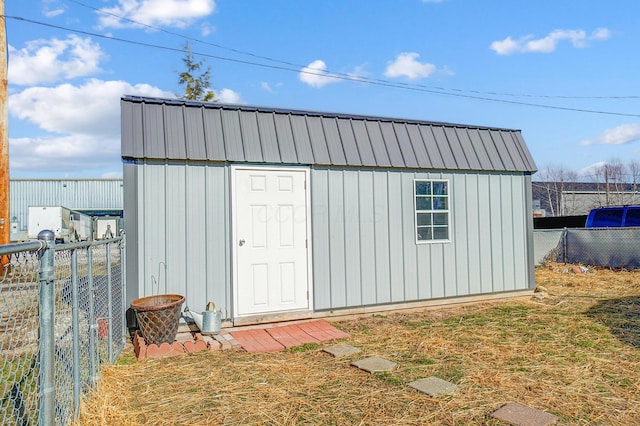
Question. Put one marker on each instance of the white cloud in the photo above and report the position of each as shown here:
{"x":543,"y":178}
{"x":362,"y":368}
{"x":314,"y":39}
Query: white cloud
{"x":315,"y":74}
{"x":228,"y":96}
{"x":547,"y":44}
{"x":265,"y":86}
{"x":52,"y":13}
{"x":592,"y":169}
{"x":91,"y":109}
{"x":48,"y":61}
{"x":207,"y":29}
{"x":621,"y":135}
{"x":172,"y":13}
{"x":84,"y":122}
{"x":71,"y":153}
{"x":407,"y":65}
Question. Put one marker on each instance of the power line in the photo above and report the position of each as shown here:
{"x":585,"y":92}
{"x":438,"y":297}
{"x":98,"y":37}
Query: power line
{"x":243,"y":52}
{"x":345,"y":77}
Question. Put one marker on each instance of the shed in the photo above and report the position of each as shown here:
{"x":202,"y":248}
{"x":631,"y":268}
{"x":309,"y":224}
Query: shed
{"x":279,"y":214}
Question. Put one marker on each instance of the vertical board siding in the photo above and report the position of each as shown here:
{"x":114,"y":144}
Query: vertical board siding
{"x":175,"y":223}
{"x":337,"y":255}
{"x":364,"y":248}
{"x":396,"y":246}
{"x":190,"y":256}
{"x":460,"y":217}
{"x":367,"y":237}
{"x":381,"y":236}
{"x":135,"y":251}
{"x":152,"y":209}
{"x":196,"y":247}
{"x":321,"y":254}
{"x":217,"y":234}
{"x":365,"y":251}
{"x":352,"y":248}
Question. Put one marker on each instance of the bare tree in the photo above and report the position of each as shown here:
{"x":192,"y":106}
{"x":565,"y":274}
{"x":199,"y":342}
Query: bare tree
{"x":555,"y":180}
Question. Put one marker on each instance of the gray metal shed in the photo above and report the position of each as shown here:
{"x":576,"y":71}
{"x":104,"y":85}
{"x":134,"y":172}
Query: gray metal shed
{"x":276,"y":214}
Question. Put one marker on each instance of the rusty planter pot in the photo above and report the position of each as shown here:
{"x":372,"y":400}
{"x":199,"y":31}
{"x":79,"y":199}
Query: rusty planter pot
{"x":158,"y":317}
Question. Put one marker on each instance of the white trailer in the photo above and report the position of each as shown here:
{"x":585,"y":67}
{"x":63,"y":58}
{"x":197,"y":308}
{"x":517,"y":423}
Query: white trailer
{"x":105,"y":227}
{"x":67,"y":225}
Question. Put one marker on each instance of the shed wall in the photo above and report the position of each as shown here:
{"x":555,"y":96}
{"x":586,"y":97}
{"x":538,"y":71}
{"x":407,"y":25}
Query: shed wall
{"x":364,"y":249}
{"x":363,"y":238}
{"x":180,"y":239}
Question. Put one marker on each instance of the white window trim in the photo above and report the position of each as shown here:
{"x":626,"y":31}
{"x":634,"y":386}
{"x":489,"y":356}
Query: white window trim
{"x":415,"y":212}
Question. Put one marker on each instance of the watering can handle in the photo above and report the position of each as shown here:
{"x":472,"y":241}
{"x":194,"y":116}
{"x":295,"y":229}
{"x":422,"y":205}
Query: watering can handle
{"x":211,"y":306}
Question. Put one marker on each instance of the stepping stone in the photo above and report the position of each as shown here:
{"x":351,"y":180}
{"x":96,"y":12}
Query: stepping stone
{"x":521,"y":415}
{"x":339,"y":351}
{"x":374,"y":364}
{"x":433,"y":386}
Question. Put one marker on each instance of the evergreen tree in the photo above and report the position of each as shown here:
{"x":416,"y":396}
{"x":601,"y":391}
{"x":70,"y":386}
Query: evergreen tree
{"x":196,"y":83}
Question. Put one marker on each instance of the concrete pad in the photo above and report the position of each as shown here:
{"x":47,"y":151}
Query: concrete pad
{"x":341,"y":350}
{"x":374,"y":364}
{"x":521,"y":415}
{"x":433,"y":386}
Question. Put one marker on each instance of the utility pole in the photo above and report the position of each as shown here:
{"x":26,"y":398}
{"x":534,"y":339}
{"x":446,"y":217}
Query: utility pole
{"x":5,"y":236}
{"x":606,"y":185}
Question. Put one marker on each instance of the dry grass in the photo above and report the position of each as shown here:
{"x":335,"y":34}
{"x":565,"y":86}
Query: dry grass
{"x":574,"y":353}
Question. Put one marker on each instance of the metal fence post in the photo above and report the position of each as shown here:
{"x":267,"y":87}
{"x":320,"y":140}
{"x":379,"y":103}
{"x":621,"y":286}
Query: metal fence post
{"x":123,"y":281}
{"x":109,"y":305}
{"x":46,"y":378}
{"x":75,"y":308}
{"x":564,"y":245}
{"x":93,"y":370}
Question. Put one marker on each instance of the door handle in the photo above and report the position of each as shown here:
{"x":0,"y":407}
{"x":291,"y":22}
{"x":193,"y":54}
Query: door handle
{"x":241,"y":243}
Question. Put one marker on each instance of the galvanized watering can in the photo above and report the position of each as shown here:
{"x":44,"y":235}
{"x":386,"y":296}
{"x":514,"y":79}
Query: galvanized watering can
{"x":208,"y":321}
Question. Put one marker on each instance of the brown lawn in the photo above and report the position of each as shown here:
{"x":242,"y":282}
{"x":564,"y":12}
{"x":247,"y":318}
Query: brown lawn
{"x":574,"y":353}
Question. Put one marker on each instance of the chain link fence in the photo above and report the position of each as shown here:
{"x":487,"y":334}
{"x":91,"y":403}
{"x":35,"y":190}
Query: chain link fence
{"x":616,"y":248}
{"x":62,"y":317}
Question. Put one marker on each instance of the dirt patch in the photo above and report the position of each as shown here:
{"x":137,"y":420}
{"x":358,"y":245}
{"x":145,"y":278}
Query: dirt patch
{"x":572,"y":350}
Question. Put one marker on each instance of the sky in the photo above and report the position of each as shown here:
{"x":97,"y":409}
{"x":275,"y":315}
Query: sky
{"x":565,"y":73}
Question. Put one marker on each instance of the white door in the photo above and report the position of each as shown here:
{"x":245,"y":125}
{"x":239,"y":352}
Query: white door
{"x":271,"y":239}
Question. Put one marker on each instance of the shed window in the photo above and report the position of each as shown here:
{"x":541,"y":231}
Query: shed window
{"x":432,"y":210}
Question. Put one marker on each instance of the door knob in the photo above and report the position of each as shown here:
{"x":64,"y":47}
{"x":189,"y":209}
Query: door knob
{"x":241,"y":243}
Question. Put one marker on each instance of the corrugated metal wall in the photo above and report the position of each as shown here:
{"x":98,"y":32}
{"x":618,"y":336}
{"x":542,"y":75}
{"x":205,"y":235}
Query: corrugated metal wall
{"x":364,"y":250}
{"x":71,"y":193}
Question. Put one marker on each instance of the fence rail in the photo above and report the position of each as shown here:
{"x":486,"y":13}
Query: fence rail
{"x":617,"y":248}
{"x":62,"y":317}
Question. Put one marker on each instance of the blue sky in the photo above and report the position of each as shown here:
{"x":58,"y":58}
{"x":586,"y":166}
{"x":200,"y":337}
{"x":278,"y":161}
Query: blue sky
{"x":542,"y":67}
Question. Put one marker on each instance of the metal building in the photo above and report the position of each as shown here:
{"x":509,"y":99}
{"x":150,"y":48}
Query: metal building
{"x":276,"y":214}
{"x":94,"y":196}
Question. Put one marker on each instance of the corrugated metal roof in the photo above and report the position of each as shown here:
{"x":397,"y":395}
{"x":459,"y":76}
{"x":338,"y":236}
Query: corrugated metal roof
{"x":173,"y":129}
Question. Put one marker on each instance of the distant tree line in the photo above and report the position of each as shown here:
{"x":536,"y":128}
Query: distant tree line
{"x":613,"y":183}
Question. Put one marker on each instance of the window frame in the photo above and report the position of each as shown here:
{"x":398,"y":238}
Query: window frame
{"x":447,"y":211}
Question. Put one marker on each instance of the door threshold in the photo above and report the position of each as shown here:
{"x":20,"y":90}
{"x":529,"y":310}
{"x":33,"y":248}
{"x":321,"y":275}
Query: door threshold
{"x":272,"y":317}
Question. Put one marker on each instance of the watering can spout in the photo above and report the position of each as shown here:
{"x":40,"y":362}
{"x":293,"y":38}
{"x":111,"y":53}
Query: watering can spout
{"x":195,"y":316}
{"x":208,"y":321}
